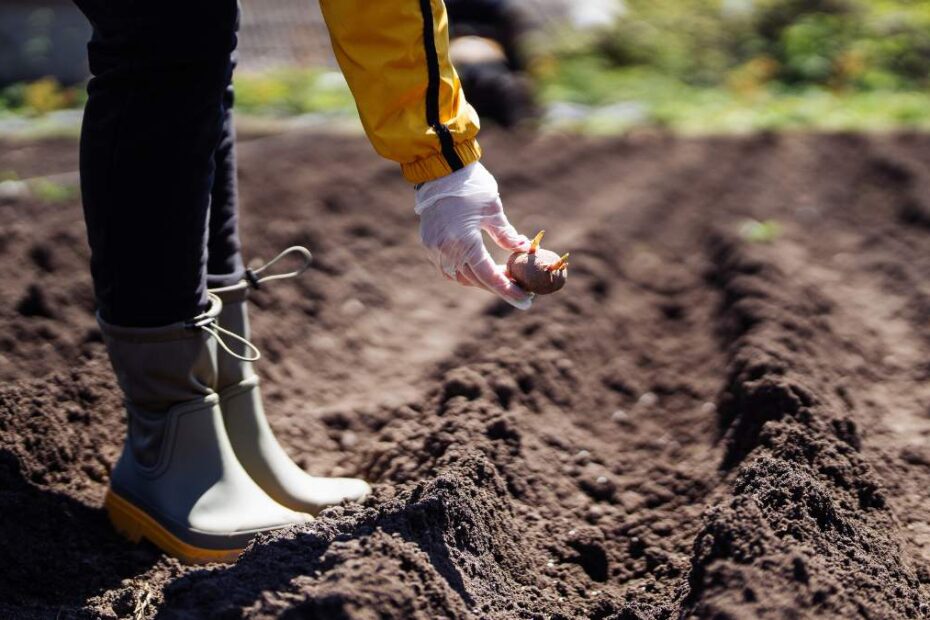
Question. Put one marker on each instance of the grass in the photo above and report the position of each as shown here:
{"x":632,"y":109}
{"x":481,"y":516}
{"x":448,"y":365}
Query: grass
{"x":44,"y":190}
{"x":651,"y":99}
{"x":291,"y":92}
{"x":602,"y":100}
{"x":665,"y":102}
{"x":52,"y":191}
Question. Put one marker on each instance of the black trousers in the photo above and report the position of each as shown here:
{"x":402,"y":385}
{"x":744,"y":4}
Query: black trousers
{"x":158,"y":169}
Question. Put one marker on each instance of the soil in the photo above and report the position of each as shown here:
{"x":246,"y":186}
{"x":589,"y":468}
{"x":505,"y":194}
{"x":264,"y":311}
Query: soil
{"x":704,"y":423}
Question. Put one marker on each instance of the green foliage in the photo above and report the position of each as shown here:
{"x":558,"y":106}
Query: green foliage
{"x":292,"y":91}
{"x":281,"y":92}
{"x":51,"y":191}
{"x":700,"y":66}
{"x":857,"y":44}
{"x":40,"y":97}
{"x":692,"y":39}
{"x":695,"y":66}
{"x":812,"y":49}
{"x":670,"y":103}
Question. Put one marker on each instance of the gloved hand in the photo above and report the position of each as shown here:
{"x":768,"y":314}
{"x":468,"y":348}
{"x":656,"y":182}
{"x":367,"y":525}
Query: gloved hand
{"x":453,"y":211}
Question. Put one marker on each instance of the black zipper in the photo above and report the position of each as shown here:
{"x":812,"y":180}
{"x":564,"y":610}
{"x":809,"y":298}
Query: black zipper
{"x":432,"y":90}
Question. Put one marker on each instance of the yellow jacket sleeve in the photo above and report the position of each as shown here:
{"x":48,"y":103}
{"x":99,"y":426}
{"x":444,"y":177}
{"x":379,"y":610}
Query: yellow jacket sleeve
{"x":395,"y":57}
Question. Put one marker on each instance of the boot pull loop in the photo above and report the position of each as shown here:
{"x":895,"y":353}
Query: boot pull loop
{"x":254,"y":275}
{"x":215,"y":330}
{"x":207,"y":322}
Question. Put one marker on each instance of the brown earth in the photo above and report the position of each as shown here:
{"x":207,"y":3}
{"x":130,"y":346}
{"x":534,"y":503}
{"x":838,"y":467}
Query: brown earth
{"x":698,"y":426}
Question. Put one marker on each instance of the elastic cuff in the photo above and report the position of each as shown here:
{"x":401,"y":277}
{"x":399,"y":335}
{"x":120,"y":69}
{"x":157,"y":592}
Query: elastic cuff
{"x":423,"y":170}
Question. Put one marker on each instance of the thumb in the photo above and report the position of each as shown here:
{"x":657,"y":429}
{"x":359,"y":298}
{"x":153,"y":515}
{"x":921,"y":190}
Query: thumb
{"x":494,"y":278}
{"x":502,"y":231}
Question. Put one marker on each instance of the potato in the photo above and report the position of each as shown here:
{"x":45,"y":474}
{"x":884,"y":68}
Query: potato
{"x":538,"y":271}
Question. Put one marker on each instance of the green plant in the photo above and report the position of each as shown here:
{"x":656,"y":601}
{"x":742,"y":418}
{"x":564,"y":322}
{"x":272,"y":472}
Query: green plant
{"x":861,"y":44}
{"x":813,"y":48}
{"x":40,"y":97}
{"x":292,"y":91}
{"x":755,"y":231}
{"x":52,"y":191}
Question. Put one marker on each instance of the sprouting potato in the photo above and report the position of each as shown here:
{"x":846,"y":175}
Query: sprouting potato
{"x":537,"y":270}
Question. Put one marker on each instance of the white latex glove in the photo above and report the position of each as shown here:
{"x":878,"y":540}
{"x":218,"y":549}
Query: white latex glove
{"x":453,"y":211}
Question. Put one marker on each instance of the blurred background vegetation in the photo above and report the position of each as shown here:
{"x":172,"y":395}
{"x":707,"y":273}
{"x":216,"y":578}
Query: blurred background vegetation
{"x":721,"y":65}
{"x":687,"y":65}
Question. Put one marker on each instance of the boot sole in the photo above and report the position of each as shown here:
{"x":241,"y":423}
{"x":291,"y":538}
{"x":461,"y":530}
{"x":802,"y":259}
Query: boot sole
{"x":133,"y":523}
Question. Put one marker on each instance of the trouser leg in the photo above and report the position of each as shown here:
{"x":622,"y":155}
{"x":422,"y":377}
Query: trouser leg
{"x":152,"y":126}
{"x":224,"y":262}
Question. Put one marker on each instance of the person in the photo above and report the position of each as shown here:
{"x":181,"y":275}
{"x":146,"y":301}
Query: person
{"x":488,"y":49}
{"x":201,"y":472}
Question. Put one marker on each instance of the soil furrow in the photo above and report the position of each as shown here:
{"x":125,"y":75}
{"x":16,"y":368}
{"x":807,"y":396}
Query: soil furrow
{"x":549,"y":415}
{"x":705,"y":423}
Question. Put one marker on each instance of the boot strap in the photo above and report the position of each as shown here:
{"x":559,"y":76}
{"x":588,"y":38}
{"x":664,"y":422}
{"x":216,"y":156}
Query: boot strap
{"x":254,"y":277}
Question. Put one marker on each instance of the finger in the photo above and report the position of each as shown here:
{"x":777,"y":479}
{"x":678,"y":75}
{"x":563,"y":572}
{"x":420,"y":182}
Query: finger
{"x":503,"y":233}
{"x":466,"y":279}
{"x":469,"y":274}
{"x":494,"y":277}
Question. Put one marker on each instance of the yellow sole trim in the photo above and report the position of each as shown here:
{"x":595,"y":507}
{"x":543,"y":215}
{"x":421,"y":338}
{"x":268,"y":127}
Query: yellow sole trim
{"x":135,"y":524}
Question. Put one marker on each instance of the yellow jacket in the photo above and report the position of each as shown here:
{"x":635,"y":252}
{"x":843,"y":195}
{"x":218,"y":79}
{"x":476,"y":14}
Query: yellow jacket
{"x":395,"y":57}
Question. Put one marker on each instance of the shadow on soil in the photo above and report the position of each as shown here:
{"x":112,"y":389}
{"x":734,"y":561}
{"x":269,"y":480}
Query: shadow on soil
{"x":64,"y":551}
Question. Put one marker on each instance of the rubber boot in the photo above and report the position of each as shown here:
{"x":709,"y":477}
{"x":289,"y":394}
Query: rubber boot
{"x":252,"y":437}
{"x":178,"y":482}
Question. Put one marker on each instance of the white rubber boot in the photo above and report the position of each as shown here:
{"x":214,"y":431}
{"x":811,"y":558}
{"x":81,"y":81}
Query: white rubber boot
{"x":251,"y":436}
{"x":178,"y":482}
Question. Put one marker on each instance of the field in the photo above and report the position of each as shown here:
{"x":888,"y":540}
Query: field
{"x":725,"y":414}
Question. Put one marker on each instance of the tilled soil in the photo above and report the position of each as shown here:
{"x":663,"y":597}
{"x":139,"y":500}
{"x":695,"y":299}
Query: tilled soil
{"x":703,"y":424}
